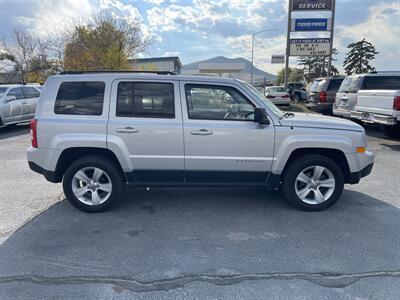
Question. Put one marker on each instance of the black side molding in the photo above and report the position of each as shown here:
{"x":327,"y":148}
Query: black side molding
{"x":355,"y":177}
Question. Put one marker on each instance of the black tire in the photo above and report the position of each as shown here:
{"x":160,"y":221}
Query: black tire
{"x":391,"y":131}
{"x":302,"y":163}
{"x":297,"y":98}
{"x":102,"y":163}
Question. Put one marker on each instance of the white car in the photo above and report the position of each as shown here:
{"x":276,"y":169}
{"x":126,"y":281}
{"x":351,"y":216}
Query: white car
{"x":96,"y":132}
{"x":278,"y":95}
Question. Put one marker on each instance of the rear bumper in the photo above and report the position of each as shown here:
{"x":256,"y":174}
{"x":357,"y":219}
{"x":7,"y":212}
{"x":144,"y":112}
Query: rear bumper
{"x":373,"y":118}
{"x":281,"y":101}
{"x":344,"y":113}
{"x":49,"y":175}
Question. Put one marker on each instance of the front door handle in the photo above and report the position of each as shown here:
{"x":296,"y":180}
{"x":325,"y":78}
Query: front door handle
{"x":201,"y":132}
{"x":127,"y":130}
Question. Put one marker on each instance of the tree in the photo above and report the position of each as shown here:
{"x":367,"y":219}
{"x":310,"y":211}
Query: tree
{"x":105,"y":43}
{"x":295,"y":75}
{"x":317,"y":66}
{"x":359,"y":57}
{"x":21,"y":52}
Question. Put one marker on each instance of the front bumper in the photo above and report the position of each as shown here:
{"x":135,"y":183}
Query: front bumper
{"x":360,"y":164}
{"x":373,"y":118}
{"x":355,"y":177}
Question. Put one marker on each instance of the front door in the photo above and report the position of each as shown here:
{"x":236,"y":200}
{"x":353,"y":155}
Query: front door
{"x":146,"y":120}
{"x":222,"y":142}
{"x":13,"y":109}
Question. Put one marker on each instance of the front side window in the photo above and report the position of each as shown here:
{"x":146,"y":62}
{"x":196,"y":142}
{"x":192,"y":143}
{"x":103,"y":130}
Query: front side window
{"x":17,"y":93}
{"x":145,"y":100}
{"x":80,"y":98}
{"x":208,"y":102}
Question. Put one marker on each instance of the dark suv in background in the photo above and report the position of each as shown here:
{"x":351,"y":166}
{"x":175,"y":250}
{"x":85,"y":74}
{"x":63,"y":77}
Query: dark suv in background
{"x":322,"y":94}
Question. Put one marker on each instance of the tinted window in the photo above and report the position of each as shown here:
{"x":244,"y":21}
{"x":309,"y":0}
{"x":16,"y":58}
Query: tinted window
{"x":381,"y":83}
{"x":217,"y":103}
{"x":80,"y":98}
{"x":17,"y":92}
{"x":145,"y":99}
{"x":351,"y":84}
{"x":31,"y":92}
{"x":334,"y":85}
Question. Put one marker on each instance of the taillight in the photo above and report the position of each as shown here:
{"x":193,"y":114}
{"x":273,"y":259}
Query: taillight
{"x":34,"y":133}
{"x":396,"y":103}
{"x":270,"y":97}
{"x":285,"y":96}
{"x":322,"y":97}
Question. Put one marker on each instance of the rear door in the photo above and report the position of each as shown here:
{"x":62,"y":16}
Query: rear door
{"x":223,"y":145}
{"x":14,"y":109}
{"x":146,"y":123}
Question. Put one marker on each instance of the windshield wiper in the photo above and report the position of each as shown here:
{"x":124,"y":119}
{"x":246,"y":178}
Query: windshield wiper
{"x":288,"y":115}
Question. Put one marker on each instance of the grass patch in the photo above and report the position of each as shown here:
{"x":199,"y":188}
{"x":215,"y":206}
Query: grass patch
{"x":296,"y":107}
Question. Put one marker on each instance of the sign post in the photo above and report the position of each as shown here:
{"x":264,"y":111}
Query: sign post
{"x":310,"y":46}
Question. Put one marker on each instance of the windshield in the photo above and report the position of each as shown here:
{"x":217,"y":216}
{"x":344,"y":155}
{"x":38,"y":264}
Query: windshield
{"x":351,"y":85}
{"x":267,"y":102}
{"x":2,"y":91}
{"x":279,"y":89}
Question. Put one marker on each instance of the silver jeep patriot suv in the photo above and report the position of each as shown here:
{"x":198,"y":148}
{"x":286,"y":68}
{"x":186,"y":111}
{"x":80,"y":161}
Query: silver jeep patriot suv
{"x":97,"y":131}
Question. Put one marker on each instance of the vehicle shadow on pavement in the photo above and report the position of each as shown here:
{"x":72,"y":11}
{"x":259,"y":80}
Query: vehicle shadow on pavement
{"x":162,"y":239}
{"x":13,"y":130}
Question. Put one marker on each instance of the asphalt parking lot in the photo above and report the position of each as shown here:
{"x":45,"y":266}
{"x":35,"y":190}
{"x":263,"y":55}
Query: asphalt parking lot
{"x":198,"y":243}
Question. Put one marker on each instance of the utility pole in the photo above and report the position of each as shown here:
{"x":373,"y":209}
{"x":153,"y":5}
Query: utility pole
{"x":252,"y":51}
{"x":332,"y":34}
{"x":288,"y":43}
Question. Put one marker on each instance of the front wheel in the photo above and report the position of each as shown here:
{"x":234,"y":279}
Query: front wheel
{"x":92,"y":184}
{"x":313,"y":182}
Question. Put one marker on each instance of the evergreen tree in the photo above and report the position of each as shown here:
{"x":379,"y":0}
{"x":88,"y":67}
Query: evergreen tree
{"x":359,"y":57}
{"x":317,"y":66}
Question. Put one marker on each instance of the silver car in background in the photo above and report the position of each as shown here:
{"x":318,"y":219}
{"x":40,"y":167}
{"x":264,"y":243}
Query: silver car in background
{"x":17,"y":103}
{"x":277,"y":95}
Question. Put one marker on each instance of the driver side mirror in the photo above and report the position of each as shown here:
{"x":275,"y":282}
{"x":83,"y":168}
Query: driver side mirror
{"x":10,"y":98}
{"x":261,"y":116}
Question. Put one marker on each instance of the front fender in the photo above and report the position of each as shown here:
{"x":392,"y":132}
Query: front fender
{"x":289,"y":144}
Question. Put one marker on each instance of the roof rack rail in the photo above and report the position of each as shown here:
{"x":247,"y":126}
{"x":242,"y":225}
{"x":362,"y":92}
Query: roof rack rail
{"x":383,"y":72}
{"x":95,"y":72}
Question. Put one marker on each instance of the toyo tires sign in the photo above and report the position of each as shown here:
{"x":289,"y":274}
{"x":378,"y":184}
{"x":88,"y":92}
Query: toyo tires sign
{"x":312,"y":4}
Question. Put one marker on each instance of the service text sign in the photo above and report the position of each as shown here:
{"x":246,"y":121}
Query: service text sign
{"x":278,"y":59}
{"x":311,"y":25}
{"x":310,"y":47}
{"x":312,"y":5}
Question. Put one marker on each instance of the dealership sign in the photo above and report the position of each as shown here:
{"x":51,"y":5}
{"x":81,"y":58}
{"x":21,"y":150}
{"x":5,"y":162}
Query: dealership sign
{"x":311,"y":24}
{"x":278,"y":59}
{"x":310,"y":47}
{"x":312,"y":4}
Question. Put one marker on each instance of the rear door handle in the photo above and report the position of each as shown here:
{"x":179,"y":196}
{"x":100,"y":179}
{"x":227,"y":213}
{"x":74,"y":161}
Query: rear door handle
{"x":127,"y":130}
{"x":201,"y":132}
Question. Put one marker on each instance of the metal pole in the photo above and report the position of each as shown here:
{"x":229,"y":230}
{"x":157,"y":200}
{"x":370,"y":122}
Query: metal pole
{"x":288,"y":44}
{"x":332,"y":34}
{"x":252,"y":59}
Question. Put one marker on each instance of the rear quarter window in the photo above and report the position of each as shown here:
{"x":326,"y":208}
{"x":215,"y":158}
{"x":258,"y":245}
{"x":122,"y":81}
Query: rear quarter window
{"x":381,"y":83}
{"x":80,"y":98}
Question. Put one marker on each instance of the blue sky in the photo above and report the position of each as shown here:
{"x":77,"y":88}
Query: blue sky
{"x":200,"y":29}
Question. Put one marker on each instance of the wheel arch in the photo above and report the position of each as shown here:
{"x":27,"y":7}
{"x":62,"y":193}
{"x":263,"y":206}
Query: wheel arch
{"x":336,"y":155}
{"x":68,"y":156}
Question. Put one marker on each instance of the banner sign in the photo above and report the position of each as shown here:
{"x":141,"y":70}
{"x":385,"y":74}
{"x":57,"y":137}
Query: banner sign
{"x":311,"y":24}
{"x":278,"y":59}
{"x":312,"y":5}
{"x":310,"y":47}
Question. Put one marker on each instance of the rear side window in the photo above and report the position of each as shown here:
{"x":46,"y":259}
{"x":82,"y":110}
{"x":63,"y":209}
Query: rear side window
{"x":145,"y":100}
{"x":381,"y":83}
{"x":80,"y":98}
{"x":31,"y":92}
{"x":334,"y":85}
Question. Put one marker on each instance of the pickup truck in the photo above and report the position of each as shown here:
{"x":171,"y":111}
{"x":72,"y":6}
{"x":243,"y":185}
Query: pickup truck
{"x":379,"y":107}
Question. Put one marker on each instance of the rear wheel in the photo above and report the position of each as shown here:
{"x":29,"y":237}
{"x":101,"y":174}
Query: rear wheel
{"x":92,"y":184}
{"x":313,"y":182}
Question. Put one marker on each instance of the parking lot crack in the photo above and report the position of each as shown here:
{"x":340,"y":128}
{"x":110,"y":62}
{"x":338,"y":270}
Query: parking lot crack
{"x":329,"y":280}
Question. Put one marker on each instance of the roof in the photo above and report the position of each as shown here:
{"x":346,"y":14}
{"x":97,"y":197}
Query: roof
{"x":145,"y":76}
